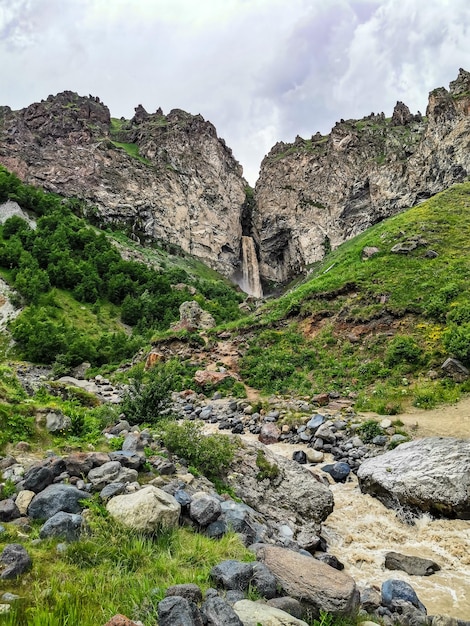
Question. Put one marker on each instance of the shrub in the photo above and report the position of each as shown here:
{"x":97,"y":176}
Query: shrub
{"x":209,"y":454}
{"x":266,"y":469}
{"x":369,"y":429}
{"x":457,"y":341}
{"x":403,"y":349}
{"x":146,"y":402}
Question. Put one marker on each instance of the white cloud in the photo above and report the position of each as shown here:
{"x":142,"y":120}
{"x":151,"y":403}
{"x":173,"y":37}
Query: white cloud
{"x":260,"y":70}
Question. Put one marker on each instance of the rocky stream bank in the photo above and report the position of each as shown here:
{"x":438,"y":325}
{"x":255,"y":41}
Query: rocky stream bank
{"x":298,"y":520}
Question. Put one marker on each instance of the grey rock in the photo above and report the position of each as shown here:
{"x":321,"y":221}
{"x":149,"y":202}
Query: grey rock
{"x":8,"y":510}
{"x":16,"y":559}
{"x":338,"y":471}
{"x":56,"y":498}
{"x":216,"y":529}
{"x":393,"y":590}
{"x":204,"y":508}
{"x":127,"y":458}
{"x":182,"y":497}
{"x":178,"y":611}
{"x":264,"y":581}
{"x":232,"y":574}
{"x":190,"y":591}
{"x":38,"y":478}
{"x":330,"y":560}
{"x":299,"y":456}
{"x":104,"y":474}
{"x":413,"y":565}
{"x":315,"y":422}
{"x":64,"y":525}
{"x":287,"y":604}
{"x":111,"y":490}
{"x":134,"y":443}
{"x":219,"y":613}
{"x":430,"y":474}
{"x":57,"y":422}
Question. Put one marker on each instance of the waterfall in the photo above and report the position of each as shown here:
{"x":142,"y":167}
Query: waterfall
{"x":251,"y":283}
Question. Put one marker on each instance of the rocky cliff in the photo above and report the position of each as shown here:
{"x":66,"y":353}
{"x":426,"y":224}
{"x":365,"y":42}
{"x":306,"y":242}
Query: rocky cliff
{"x":316,"y":193}
{"x":168,"y":177}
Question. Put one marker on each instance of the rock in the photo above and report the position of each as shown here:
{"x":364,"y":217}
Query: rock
{"x":400,"y":590}
{"x":430,"y":474}
{"x":330,"y":560}
{"x":232,"y":574}
{"x":67,"y":526}
{"x":315,"y":422}
{"x":204,"y":508}
{"x":371,"y":599}
{"x":314,"y":584}
{"x":38,"y":478}
{"x":23,"y":500}
{"x":254,"y":613}
{"x":338,"y":471}
{"x":192,"y":317}
{"x":264,"y":581}
{"x":270,"y":433}
{"x":146,"y":510}
{"x":153,"y":358}
{"x":216,"y":529}
{"x":120,"y":620}
{"x":369,"y":251}
{"x":127,"y":458}
{"x":57,"y":422}
{"x":299,"y":456}
{"x":190,"y":591}
{"x":308,"y":501}
{"x":111,"y":490}
{"x":314,"y":456}
{"x":322,"y":399}
{"x":178,"y":611}
{"x":219,"y":613}
{"x":135,"y":444}
{"x":413,"y":565}
{"x":455,"y":369}
{"x":287,"y":604}
{"x":78,"y":464}
{"x":56,"y":498}
{"x":16,"y":559}
{"x":8,"y":510}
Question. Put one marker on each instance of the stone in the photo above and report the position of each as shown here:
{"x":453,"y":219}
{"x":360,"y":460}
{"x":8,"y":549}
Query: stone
{"x":127,"y":458}
{"x":255,"y":613}
{"x":178,"y":611}
{"x":220,"y":613}
{"x":314,"y":456}
{"x":369,"y":251}
{"x":330,"y":560}
{"x":322,"y":399}
{"x":216,"y":529}
{"x":193,"y":317}
{"x":190,"y":591}
{"x":393,"y":589}
{"x":38,"y":478}
{"x":455,"y":369}
{"x":287,"y":604}
{"x":269,"y":434}
{"x":338,"y":471}
{"x":66,"y":526}
{"x":120,"y":620}
{"x":104,"y":474}
{"x":8,"y":510}
{"x":314,"y":584}
{"x":78,"y":464}
{"x":264,"y":581}
{"x":413,"y":565}
{"x":111,"y":490}
{"x":16,"y":560}
{"x":204,"y":508}
{"x":232,"y":574}
{"x":57,"y":422}
{"x":430,"y":474}
{"x":299,"y":456}
{"x":146,"y":510}
{"x":56,"y":498}
{"x":208,"y":377}
{"x":153,"y":358}
{"x":315,"y":422}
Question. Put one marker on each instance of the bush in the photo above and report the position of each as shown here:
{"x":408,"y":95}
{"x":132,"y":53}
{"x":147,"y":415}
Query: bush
{"x":403,"y":349}
{"x":209,"y":454}
{"x":148,"y":402}
{"x":457,"y":341}
{"x":369,"y":429}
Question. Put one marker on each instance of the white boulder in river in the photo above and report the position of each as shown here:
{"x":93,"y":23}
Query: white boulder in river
{"x":430,"y":475}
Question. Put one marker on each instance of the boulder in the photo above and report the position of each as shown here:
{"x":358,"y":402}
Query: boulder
{"x":38,"y":478}
{"x":398,"y":590}
{"x":288,"y":605}
{"x":264,"y":581}
{"x":147,"y":510}
{"x":57,"y":422}
{"x":315,"y":584}
{"x":269,"y":433}
{"x":23,"y":500}
{"x":219,"y":613}
{"x":413,"y":565}
{"x":338,"y":471}
{"x":56,"y":498}
{"x":178,"y":611}
{"x":16,"y":559}
{"x":120,"y":620}
{"x":430,"y":474}
{"x":204,"y":508}
{"x":192,"y":317}
{"x":190,"y":591}
{"x":232,"y":574}
{"x":8,"y":510}
{"x":67,"y":526}
{"x":78,"y":464}
{"x":255,"y":613}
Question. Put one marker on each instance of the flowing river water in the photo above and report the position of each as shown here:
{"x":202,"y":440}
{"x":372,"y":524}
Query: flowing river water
{"x":360,"y":531}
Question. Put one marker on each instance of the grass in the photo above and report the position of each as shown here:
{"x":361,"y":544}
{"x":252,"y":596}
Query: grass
{"x":132,"y":149}
{"x":122,"y":572}
{"x":366,"y":325}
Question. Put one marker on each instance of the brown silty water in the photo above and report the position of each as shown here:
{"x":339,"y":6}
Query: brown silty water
{"x":360,"y":531}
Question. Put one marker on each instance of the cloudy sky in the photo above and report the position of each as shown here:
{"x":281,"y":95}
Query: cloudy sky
{"x":260,"y":70}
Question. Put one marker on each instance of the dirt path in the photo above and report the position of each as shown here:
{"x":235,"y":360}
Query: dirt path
{"x":448,"y":421}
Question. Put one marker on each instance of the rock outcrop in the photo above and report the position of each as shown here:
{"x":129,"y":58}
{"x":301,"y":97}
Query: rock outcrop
{"x":316,"y":193}
{"x":430,"y":475}
{"x":167,"y":178}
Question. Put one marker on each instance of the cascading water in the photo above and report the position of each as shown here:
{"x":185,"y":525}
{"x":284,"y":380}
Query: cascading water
{"x":251,"y":282}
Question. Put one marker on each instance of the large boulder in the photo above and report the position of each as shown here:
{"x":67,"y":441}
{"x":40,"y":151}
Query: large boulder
{"x":315,"y":584}
{"x":431,"y":475}
{"x":254,"y":613}
{"x":147,"y":510}
{"x":15,"y":560}
{"x":64,"y":525}
{"x":290,"y":493}
{"x":56,"y":498}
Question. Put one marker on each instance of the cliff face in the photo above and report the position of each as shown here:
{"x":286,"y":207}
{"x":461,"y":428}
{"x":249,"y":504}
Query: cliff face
{"x":169,"y":177}
{"x":318,"y":192}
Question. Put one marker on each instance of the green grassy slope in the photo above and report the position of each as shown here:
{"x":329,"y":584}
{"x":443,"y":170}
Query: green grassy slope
{"x":376,"y":325}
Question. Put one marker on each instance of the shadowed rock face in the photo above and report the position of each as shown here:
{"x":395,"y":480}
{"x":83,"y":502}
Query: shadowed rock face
{"x":173,"y":180}
{"x":322,"y":191}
